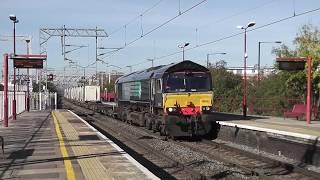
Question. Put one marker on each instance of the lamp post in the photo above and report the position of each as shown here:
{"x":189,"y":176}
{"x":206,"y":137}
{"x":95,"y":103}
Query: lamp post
{"x":183,"y":46}
{"x":259,"y":45}
{"x":222,"y":53}
{"x":152,"y":60}
{"x":130,"y":67}
{"x":244,"y":101}
{"x":28,"y":79}
{"x":14,"y":19}
{"x":97,"y":55}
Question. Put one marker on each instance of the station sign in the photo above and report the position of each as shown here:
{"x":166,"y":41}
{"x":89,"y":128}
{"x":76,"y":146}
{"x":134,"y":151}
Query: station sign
{"x":28,"y":61}
{"x":34,"y":64}
{"x":291,"y":64}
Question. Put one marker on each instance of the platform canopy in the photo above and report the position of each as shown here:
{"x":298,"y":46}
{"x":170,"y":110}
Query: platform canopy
{"x":33,"y":61}
{"x":291,"y":64}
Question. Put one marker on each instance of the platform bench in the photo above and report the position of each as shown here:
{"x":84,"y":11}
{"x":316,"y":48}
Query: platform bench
{"x":297,"y":111}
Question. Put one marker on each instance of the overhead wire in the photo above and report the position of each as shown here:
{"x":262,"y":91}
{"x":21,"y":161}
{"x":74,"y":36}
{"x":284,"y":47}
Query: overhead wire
{"x":183,"y":12}
{"x":159,"y":26}
{"x":137,"y":17}
{"x":256,"y":28}
{"x":166,"y":22}
{"x":180,"y":13}
{"x":235,"y":34}
{"x":243,"y":11}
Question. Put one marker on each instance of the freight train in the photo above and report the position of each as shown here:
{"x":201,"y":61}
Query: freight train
{"x":174,"y":99}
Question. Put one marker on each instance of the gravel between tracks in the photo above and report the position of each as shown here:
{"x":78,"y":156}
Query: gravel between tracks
{"x":265,"y":154}
{"x":208,"y":167}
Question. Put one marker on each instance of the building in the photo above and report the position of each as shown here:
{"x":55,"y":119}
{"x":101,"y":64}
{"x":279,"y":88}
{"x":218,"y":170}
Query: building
{"x":251,"y":71}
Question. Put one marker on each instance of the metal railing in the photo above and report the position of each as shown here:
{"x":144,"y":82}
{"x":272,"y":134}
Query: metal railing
{"x":274,"y":106}
{"x":43,"y":101}
{"x":38,"y":101}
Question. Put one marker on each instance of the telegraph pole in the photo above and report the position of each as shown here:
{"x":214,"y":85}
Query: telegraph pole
{"x":47,"y":33}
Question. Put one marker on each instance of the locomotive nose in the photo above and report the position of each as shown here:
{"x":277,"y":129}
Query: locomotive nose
{"x":188,"y":103}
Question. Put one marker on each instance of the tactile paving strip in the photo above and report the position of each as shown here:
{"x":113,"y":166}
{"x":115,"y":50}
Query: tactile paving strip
{"x":91,"y":167}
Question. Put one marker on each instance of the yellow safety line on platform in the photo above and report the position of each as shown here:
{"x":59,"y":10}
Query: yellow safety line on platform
{"x":63,"y":149}
{"x":92,"y":168}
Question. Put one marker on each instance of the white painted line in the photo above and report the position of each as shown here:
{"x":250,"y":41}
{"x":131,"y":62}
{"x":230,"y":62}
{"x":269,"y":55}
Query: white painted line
{"x":274,"y":131}
{"x":130,"y":158}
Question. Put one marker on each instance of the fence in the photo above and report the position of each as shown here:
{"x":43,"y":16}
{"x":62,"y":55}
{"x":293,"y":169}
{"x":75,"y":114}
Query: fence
{"x":20,"y":99}
{"x":42,"y":102}
{"x":274,"y":106}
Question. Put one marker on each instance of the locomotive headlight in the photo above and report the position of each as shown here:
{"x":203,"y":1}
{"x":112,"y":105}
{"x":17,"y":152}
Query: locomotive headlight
{"x":171,"y":110}
{"x":206,"y":108}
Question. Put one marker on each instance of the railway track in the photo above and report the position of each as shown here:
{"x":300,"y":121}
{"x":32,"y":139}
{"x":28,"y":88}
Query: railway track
{"x":157,"y":162}
{"x":249,"y":165}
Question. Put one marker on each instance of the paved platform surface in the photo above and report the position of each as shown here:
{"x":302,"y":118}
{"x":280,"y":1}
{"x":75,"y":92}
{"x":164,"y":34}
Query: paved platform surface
{"x":31,"y":148}
{"x":288,"y":125}
{"x":41,"y":145}
{"x":273,"y":124}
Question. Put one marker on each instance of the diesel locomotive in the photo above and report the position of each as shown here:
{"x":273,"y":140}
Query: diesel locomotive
{"x":175,"y":99}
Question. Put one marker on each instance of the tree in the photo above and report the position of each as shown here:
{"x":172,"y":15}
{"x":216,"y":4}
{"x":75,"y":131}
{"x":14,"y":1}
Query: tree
{"x":306,"y":45}
{"x":227,"y":88}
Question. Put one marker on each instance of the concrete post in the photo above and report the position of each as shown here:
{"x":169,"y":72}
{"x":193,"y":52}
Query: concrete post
{"x":55,"y":101}
{"x":40,"y":103}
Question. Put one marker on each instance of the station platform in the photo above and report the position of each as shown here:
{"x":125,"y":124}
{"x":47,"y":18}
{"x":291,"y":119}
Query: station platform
{"x":288,"y":137}
{"x":278,"y":125}
{"x":61,"y":145}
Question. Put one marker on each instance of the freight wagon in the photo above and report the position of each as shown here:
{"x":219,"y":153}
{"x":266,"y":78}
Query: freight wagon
{"x":87,"y":93}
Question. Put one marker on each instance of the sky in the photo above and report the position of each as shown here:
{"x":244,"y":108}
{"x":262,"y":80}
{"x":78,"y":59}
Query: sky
{"x":210,"y":21}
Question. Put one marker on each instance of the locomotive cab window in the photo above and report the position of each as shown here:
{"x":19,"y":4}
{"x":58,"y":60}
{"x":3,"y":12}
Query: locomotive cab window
{"x":175,"y":82}
{"x":187,"y":81}
{"x":199,"y":82}
{"x":158,"y":86}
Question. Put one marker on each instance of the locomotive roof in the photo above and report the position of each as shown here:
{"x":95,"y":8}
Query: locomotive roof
{"x":159,"y":71}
